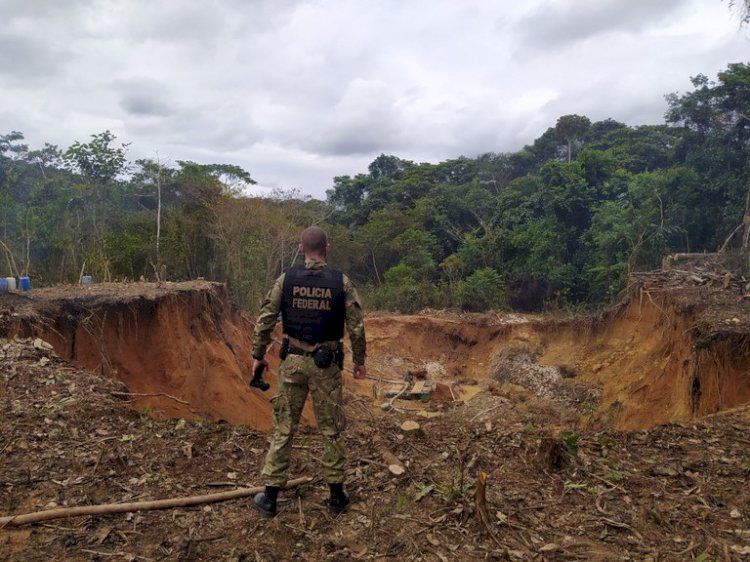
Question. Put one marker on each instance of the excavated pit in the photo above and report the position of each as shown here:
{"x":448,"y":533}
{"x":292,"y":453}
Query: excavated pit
{"x":180,"y":349}
{"x":670,"y":352}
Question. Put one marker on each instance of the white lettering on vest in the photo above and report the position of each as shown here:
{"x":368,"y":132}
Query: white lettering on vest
{"x":311,"y":292}
{"x":311,"y":304}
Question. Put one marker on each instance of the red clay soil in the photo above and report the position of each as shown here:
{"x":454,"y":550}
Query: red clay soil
{"x":180,"y":348}
{"x":671,"y":351}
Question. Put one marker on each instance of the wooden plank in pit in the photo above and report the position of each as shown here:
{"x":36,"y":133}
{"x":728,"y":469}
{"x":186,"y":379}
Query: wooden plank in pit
{"x":392,"y":391}
{"x":418,"y":388}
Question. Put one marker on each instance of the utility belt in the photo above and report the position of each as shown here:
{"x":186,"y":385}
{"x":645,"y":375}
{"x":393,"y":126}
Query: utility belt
{"x":324,"y":354}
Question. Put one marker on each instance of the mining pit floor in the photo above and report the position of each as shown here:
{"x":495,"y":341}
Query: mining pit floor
{"x":622,"y":435}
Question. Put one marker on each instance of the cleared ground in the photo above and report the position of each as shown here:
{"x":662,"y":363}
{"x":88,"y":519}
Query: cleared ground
{"x":602,"y":437}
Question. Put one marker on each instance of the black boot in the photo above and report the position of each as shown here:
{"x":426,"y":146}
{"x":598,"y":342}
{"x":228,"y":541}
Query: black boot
{"x":265,"y":502}
{"x":339,"y":500}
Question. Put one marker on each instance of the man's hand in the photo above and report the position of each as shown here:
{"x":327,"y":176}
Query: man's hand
{"x":259,"y":365}
{"x":360,"y":372}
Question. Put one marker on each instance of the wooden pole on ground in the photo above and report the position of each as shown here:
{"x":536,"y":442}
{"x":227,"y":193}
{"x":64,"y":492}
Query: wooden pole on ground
{"x":63,"y":512}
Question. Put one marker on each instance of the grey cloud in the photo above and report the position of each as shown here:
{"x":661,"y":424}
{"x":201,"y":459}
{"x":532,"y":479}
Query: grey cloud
{"x":299,"y":91}
{"x":139,"y":104}
{"x":350,"y":142}
{"x":559,"y":23}
{"x":364,"y":120}
{"x":144,"y":97}
{"x":175,"y":22}
{"x":40,"y":8}
{"x":213,"y":129}
{"x":26,"y":58}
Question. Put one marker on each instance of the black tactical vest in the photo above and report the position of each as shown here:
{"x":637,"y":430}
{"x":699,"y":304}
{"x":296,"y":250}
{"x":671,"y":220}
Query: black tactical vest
{"x":313,"y":304}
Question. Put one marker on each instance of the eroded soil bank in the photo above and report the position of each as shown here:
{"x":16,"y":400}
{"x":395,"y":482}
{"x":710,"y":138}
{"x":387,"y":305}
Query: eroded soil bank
{"x":181,"y":349}
{"x":675,"y":349}
{"x":671,"y":351}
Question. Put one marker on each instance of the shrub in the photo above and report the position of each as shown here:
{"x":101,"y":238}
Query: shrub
{"x":483,"y":290}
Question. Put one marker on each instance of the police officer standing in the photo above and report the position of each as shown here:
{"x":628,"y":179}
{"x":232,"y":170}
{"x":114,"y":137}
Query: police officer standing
{"x":315,"y":302}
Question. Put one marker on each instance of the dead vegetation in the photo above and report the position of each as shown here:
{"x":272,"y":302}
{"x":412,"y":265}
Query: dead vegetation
{"x":677,"y":492}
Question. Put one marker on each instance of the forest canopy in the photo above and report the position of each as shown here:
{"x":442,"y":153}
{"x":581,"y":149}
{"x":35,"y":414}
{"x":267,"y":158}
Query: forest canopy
{"x":559,"y":223}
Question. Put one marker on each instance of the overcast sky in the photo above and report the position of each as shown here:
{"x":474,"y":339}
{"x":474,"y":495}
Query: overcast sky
{"x":298,"y":92}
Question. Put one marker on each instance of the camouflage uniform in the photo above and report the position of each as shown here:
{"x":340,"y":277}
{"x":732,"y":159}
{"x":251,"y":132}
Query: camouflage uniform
{"x":297,"y":376}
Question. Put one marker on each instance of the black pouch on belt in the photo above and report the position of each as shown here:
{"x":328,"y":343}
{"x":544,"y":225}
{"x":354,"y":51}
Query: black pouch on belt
{"x":323,"y":357}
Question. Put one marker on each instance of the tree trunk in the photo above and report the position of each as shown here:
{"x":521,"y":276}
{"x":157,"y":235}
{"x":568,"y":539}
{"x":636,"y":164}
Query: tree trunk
{"x":158,"y":217}
{"x":375,"y":267}
{"x":60,"y":513}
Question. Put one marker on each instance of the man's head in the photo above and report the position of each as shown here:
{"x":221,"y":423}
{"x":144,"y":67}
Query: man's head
{"x":314,"y":242}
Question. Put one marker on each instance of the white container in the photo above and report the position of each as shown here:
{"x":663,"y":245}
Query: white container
{"x":11,"y":283}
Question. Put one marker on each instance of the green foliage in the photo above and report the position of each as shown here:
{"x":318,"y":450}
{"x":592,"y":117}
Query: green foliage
{"x":145,"y":417}
{"x":570,"y":441}
{"x":400,"y":275}
{"x":97,"y":161}
{"x":417,"y":248}
{"x":402,"y":291}
{"x":615,"y":475}
{"x":559,"y":223}
{"x":402,"y":502}
{"x":424,"y":490}
{"x":483,"y":290}
{"x":570,"y":128}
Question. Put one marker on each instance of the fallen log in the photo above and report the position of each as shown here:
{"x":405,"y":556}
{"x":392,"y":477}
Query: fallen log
{"x":64,"y":512}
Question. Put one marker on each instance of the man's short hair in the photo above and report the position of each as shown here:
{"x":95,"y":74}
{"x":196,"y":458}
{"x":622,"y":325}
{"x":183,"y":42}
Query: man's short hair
{"x":314,"y":240}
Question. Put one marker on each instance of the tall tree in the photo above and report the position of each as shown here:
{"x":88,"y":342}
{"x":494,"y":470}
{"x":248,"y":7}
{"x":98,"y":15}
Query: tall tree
{"x":153,"y":175}
{"x":570,"y":128}
{"x":99,"y":164}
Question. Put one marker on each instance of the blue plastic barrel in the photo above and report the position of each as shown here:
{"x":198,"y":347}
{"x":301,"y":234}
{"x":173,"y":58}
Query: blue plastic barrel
{"x":24,"y":283}
{"x":86,"y":280}
{"x":3,"y":285}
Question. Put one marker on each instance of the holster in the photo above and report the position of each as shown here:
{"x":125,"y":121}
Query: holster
{"x":284,"y":349}
{"x":340,"y":354}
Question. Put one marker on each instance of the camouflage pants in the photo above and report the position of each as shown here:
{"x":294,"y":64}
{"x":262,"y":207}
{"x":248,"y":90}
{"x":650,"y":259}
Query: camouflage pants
{"x":298,"y":375}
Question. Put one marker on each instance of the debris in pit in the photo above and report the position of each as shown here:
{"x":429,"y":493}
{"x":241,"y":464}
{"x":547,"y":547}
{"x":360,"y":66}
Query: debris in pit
{"x":518,"y":365}
{"x":516,"y":374}
{"x":419,"y":389}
